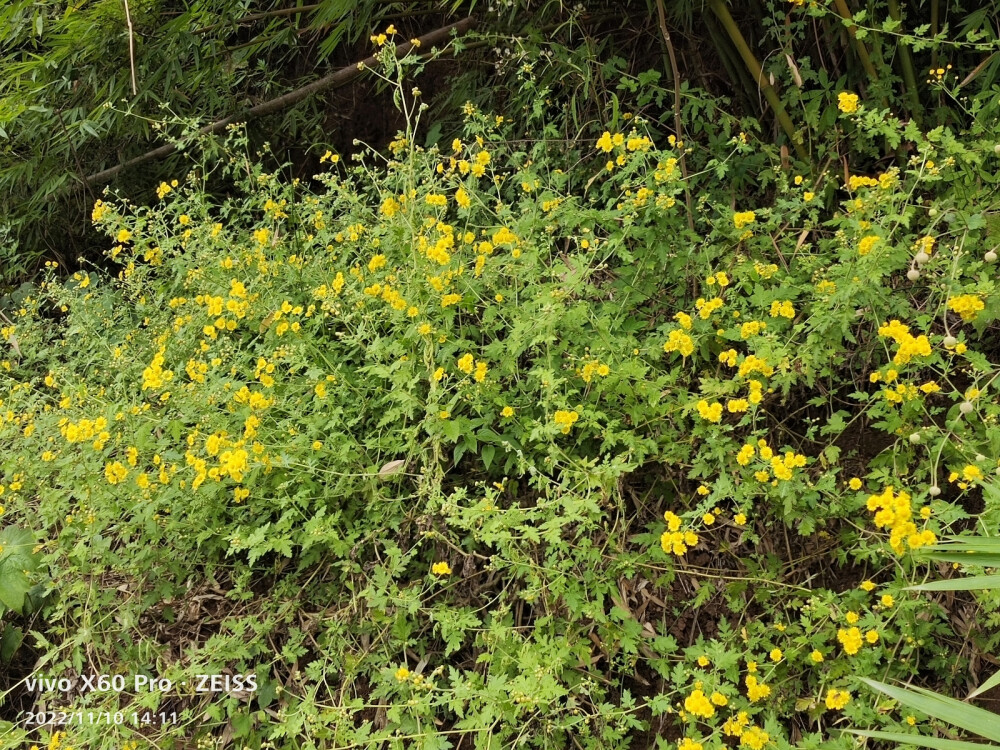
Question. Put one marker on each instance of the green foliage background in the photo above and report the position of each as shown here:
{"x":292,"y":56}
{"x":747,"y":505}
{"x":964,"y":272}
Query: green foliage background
{"x":404,"y":429}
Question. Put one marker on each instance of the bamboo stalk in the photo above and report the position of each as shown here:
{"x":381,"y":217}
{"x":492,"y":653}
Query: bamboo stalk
{"x":906,"y":63}
{"x":722,"y":12}
{"x":678,"y":126}
{"x":333,"y":80}
{"x":859,"y":46}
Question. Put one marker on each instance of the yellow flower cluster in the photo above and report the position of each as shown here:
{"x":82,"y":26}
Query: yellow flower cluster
{"x":734,"y":726}
{"x":706,"y":308}
{"x":115,"y":472}
{"x":155,"y":376}
{"x":743,"y":218}
{"x":85,"y":429}
{"x":565,"y":419}
{"x":867,"y":244}
{"x":754,"y":738}
{"x":850,"y":639}
{"x":678,"y":341}
{"x":847,"y":102}
{"x":966,"y":305}
{"x":752,"y":328}
{"x":698,"y":704}
{"x":477,"y":370}
{"x":710,"y":412}
{"x":441,"y":569}
{"x":673,"y":540}
{"x":592,"y":368}
{"x":783,"y":309}
{"x":756,"y":691}
{"x":895,"y":513}
{"x":909,"y":346}
{"x":751,"y":364}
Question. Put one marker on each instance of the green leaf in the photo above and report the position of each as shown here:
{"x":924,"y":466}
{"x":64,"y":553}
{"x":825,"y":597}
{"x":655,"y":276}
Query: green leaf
{"x":16,"y":561}
{"x":9,"y":643}
{"x":971,"y":583}
{"x":988,"y":685}
{"x":970,"y":718}
{"x":922,"y":741}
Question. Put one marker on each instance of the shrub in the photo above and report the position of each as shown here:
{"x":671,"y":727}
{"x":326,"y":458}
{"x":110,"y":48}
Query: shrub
{"x":453,"y":442}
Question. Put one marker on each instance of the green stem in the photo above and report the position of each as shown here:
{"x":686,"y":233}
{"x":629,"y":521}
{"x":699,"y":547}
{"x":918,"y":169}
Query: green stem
{"x":722,"y":12}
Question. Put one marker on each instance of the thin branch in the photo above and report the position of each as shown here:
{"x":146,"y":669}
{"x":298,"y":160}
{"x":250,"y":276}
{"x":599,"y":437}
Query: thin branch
{"x":131,"y":47}
{"x":333,"y":80}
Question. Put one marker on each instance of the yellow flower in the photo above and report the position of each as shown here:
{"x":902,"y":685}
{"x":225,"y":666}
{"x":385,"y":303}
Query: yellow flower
{"x":402,"y":674}
{"x":740,"y":519}
{"x":816,"y":656}
{"x":867,"y":244}
{"x":441,"y":569}
{"x":867,"y":585}
{"x":887,"y":600}
{"x":743,"y":218}
{"x":699,"y":705}
{"x":465,"y":363}
{"x":847,"y":102}
{"x":850,"y":640}
{"x":507,"y":412}
{"x":678,"y":341}
{"x":851,"y":617}
{"x":854,"y":483}
{"x":837,"y":699}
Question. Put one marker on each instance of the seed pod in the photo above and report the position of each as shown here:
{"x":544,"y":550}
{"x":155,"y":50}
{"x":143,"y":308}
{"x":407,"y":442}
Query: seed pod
{"x":914,"y":437}
{"x":950,"y":341}
{"x":913,"y":274}
{"x":965,"y":407}
{"x":990,"y":257}
{"x":934,"y":491}
{"x":921,"y":257}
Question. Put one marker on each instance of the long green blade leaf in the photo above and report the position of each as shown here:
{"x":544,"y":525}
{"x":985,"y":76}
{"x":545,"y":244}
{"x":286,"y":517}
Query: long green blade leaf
{"x":937,"y":743}
{"x":990,"y":683}
{"x":955,"y":712}
{"x":969,"y":583}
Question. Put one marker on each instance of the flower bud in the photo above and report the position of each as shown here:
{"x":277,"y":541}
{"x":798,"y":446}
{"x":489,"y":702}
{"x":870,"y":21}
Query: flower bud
{"x":913,"y":274}
{"x":965,"y":407}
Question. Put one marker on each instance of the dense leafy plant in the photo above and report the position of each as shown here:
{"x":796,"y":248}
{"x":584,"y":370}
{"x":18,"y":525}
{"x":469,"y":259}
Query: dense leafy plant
{"x":496,"y":445}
